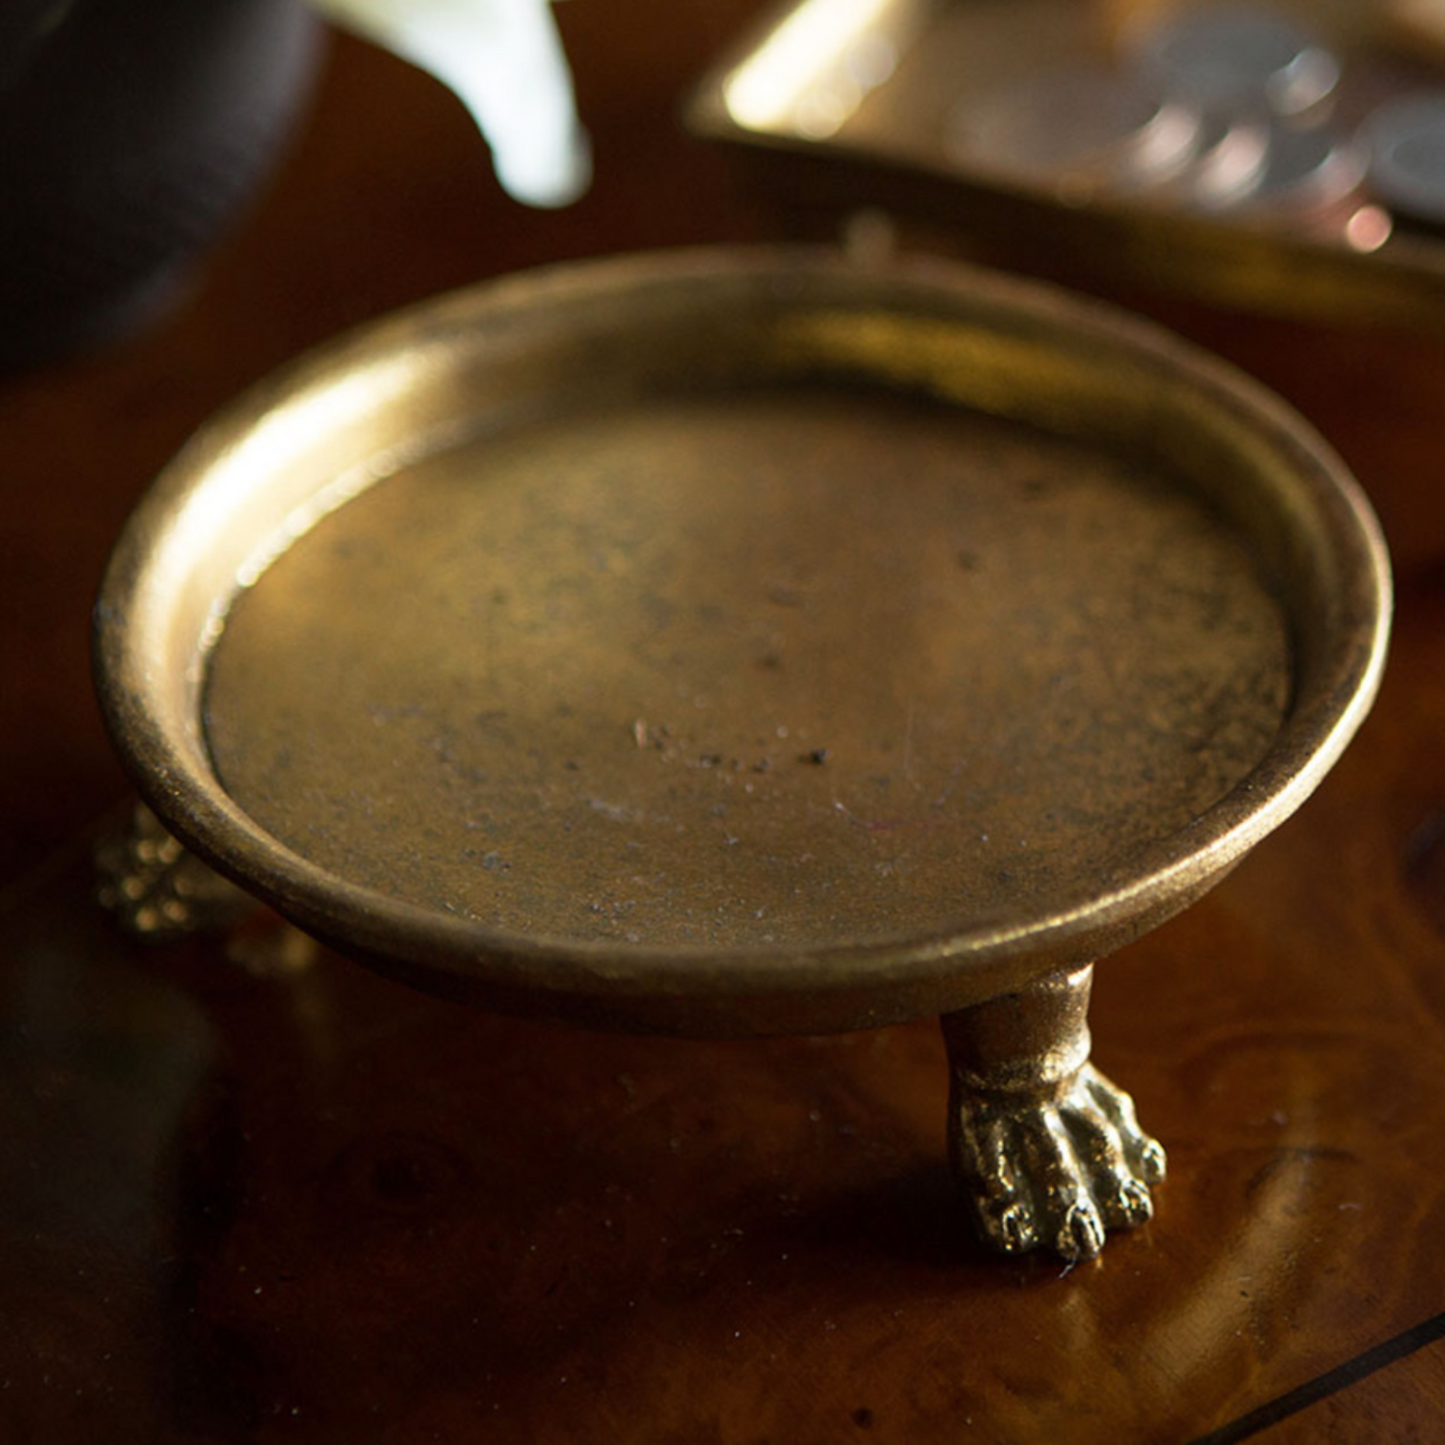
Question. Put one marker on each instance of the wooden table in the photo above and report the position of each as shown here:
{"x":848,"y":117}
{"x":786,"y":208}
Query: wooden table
{"x":319,"y":1207}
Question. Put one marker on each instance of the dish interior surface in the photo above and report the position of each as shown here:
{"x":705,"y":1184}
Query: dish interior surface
{"x":788,"y":667}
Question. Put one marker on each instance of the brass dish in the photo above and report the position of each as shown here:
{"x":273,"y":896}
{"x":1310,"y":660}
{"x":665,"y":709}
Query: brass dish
{"x":749,"y":642}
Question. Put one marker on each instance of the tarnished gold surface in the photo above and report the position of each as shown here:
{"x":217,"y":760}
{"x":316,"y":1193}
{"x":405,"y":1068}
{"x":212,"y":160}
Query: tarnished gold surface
{"x":748,"y":671}
{"x":868,"y":97}
{"x":756,"y":642}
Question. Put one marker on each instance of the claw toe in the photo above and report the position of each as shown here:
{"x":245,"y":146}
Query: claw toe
{"x":1133,"y":1203}
{"x":1011,"y":1229}
{"x":1082,"y":1234}
{"x":1152,"y":1161}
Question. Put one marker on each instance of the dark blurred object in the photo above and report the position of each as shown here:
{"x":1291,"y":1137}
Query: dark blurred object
{"x":129,"y":135}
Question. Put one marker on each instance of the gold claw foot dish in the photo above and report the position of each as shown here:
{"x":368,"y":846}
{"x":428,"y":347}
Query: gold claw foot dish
{"x":754,"y":642}
{"x":1047,"y":1151}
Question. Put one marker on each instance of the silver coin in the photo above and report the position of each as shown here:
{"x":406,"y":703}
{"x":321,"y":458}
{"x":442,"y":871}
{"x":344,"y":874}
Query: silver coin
{"x":1309,"y":171}
{"x":1082,"y":128}
{"x":1238,"y":59}
{"x":1228,"y":166}
{"x":1406,"y":143}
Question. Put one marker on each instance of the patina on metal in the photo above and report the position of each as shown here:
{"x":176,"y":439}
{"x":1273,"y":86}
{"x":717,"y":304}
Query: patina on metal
{"x":750,"y":642}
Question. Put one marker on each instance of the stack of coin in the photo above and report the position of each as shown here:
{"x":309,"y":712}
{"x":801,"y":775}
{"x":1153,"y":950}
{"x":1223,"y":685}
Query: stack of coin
{"x":1083,"y":130}
{"x":1247,"y":65}
{"x":1218,"y":107}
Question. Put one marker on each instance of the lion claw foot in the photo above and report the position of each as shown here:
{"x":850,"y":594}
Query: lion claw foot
{"x":159,"y":891}
{"x":1056,"y":1171}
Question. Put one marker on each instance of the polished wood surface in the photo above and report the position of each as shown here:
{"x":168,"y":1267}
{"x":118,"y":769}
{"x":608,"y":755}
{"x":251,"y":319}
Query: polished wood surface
{"x":318,"y":1207}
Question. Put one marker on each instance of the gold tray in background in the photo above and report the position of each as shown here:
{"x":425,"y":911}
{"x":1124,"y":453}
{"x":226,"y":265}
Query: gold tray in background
{"x":856,"y":103}
{"x":749,"y":642}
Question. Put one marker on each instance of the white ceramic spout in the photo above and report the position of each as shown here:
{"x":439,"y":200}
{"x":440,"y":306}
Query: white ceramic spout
{"x":504,"y":60}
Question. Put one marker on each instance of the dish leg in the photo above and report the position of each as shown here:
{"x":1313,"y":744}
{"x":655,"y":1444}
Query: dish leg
{"x":1048,"y":1152}
{"x":159,"y":891}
